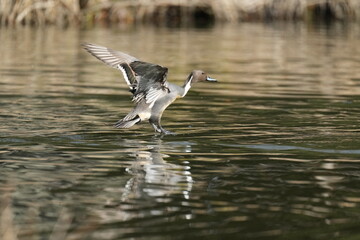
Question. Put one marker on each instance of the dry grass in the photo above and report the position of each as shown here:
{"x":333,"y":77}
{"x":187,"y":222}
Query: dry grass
{"x":82,"y":12}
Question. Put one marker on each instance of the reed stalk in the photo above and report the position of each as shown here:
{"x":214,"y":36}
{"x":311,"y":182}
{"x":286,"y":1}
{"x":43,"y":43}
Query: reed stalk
{"x":83,"y":12}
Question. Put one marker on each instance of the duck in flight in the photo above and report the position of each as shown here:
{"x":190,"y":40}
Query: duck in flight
{"x":152,"y":93}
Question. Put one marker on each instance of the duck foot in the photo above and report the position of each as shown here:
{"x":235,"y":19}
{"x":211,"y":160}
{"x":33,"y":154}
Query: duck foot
{"x":158,"y":128}
{"x":166,"y":132}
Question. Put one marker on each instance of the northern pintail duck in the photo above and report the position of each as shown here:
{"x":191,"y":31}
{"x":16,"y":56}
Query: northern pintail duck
{"x":152,"y":93}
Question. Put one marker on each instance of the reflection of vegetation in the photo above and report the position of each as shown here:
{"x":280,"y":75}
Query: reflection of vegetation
{"x":62,"y":229}
{"x":171,"y":12}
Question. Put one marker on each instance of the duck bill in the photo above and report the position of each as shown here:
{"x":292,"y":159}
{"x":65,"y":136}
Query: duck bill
{"x":209,"y":79}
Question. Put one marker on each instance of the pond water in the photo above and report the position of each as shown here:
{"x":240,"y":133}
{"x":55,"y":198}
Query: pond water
{"x":271,"y":151}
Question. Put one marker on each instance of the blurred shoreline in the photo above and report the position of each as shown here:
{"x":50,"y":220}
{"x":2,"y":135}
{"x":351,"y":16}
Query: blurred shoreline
{"x":172,"y":13}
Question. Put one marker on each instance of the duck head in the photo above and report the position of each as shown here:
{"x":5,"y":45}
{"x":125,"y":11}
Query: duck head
{"x":196,"y":76}
{"x":200,"y":76}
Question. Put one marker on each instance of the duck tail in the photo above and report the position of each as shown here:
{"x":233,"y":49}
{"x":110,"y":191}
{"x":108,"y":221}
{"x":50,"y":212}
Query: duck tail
{"x":124,"y":123}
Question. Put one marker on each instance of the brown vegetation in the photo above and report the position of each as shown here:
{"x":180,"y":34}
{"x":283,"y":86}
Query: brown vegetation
{"x":171,"y":12}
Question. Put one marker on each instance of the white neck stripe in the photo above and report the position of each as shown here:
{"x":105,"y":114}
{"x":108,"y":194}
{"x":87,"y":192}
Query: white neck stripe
{"x":187,"y":86}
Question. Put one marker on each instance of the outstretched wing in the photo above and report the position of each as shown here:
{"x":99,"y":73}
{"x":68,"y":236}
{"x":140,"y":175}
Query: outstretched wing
{"x":147,"y":81}
{"x":114,"y":59}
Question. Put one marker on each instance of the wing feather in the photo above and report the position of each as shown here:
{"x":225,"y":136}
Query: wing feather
{"x":147,"y":81}
{"x":108,"y":56}
{"x":153,"y":95}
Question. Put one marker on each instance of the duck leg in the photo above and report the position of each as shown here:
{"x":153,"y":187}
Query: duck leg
{"x":155,"y":122}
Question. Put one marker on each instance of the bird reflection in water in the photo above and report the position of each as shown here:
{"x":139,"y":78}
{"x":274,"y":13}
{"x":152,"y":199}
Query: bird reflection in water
{"x":153,"y":180}
{"x":155,"y":177}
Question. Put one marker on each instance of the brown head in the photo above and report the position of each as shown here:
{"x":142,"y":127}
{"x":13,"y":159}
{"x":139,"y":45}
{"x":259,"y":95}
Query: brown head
{"x":199,"y":76}
{"x":196,"y":76}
